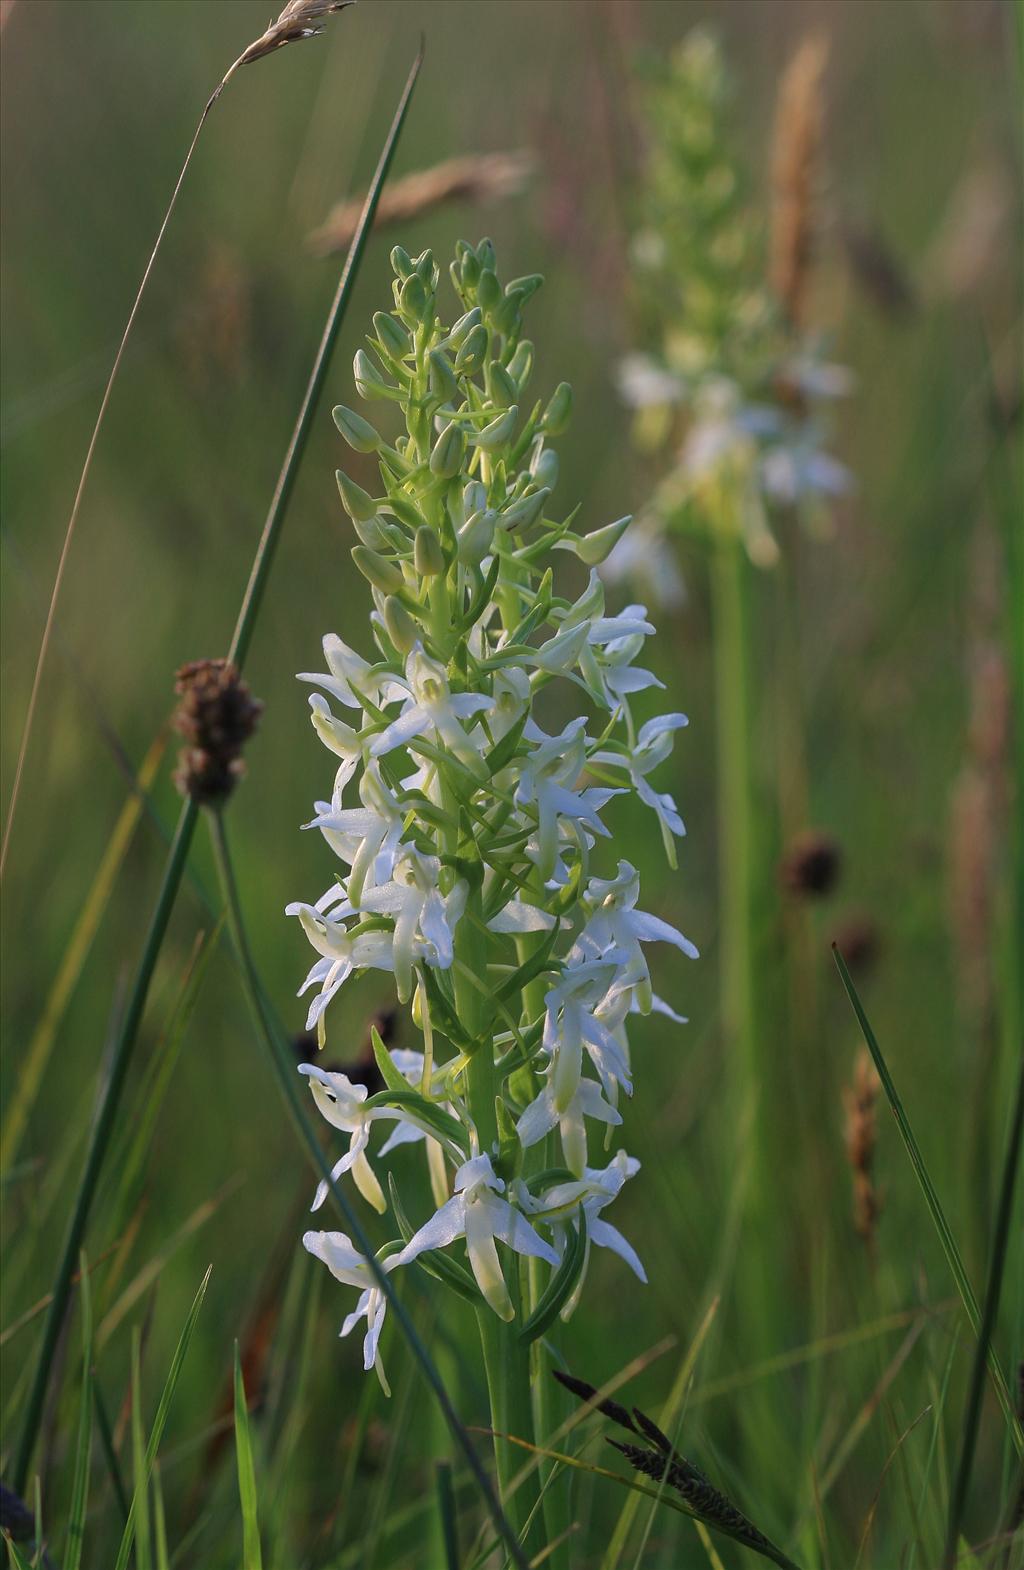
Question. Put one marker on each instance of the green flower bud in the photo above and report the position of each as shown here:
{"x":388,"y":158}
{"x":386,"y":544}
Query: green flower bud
{"x":520,"y":367}
{"x":359,"y":433}
{"x":414,"y":300}
{"x":485,"y":254}
{"x":596,"y":547}
{"x":392,"y":335}
{"x":404,"y":510}
{"x":488,"y":291}
{"x":523,"y":514}
{"x":477,"y":536}
{"x":427,"y":554}
{"x":463,"y":327}
{"x":354,"y":499}
{"x":498,"y":431}
{"x":376,"y":569}
{"x":370,"y":384}
{"x":401,"y":262}
{"x":556,"y":415}
{"x":424,"y":265}
{"x":524,"y":288}
{"x":402,"y":628}
{"x":474,"y":497}
{"x":508,"y":318}
{"x":469,"y":270}
{"x":371,"y":533}
{"x":544,"y":467}
{"x":442,"y":378}
{"x":472,"y":351}
{"x":449,"y":449}
{"x":501,"y":386}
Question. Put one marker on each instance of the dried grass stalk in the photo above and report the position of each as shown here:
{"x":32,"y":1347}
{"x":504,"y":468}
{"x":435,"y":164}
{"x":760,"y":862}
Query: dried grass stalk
{"x":860,"y":1100}
{"x":796,"y":158}
{"x":299,"y":19}
{"x":487,"y":177}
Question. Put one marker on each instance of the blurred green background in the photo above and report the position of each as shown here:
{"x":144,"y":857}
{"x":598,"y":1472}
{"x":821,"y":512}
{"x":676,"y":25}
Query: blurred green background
{"x":918,"y":281}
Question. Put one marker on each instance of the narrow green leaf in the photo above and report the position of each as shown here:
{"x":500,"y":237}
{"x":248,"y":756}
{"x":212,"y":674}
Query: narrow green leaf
{"x":946,"y":1238}
{"x":252,"y":1558}
{"x":159,"y":1423}
{"x":83,"y":1448}
{"x":561,"y":1285}
{"x":385,"y":1062}
{"x":140,"y":1470}
{"x":436,"y":1119}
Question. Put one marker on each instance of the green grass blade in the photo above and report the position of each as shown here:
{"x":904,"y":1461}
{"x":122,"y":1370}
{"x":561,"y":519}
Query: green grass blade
{"x":136,"y":1512}
{"x":83,"y":1448}
{"x":178,"y":854}
{"x":252,"y":1558}
{"x":163,"y":1558}
{"x":993,"y":1288}
{"x":449,"y":1521}
{"x":140,"y":1471}
{"x":946,"y":1238}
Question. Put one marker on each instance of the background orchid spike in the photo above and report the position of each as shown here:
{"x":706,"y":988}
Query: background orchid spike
{"x":731,"y":385}
{"x":468,"y":842}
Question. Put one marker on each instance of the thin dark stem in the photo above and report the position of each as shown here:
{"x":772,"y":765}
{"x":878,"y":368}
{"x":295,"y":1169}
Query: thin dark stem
{"x":283,"y":1063}
{"x":990,"y":1308}
{"x":178,"y":855}
{"x":76,"y":505}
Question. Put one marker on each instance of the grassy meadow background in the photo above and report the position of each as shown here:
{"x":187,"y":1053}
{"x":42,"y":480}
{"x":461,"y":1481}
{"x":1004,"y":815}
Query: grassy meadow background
{"x":918,"y":276}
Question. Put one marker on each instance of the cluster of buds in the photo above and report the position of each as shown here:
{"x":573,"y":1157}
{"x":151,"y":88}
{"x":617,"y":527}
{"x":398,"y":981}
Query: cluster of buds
{"x":464,"y":833}
{"x":731,"y":386}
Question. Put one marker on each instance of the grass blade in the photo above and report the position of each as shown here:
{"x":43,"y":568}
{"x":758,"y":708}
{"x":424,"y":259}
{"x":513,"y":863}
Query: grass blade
{"x":139,"y":1505}
{"x":83,"y":1449}
{"x":73,"y":959}
{"x":993,"y":1288}
{"x":252,"y":1558}
{"x":449,"y":1522}
{"x":178,"y":854}
{"x":946,"y":1238}
{"x":139,"y":1516}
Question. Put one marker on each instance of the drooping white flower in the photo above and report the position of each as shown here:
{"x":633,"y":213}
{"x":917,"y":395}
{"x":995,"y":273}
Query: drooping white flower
{"x":348,"y":1266}
{"x":479,"y":1212}
{"x":324,"y":926}
{"x":424,"y":918}
{"x":546,"y":779}
{"x":616,"y":929}
{"x":592,"y":1193}
{"x":549,"y":1111}
{"x":352,"y":678}
{"x":342,"y":1104}
{"x":653,"y":745}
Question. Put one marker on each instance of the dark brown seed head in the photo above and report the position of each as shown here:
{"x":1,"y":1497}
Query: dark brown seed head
{"x":810,"y":866}
{"x":216,"y":716}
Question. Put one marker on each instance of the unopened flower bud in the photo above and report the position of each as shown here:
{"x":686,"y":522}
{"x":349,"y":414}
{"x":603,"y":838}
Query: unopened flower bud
{"x":401,"y":261}
{"x":376,"y":569}
{"x":370,"y":384}
{"x":404,"y":510}
{"x":414,"y":300}
{"x":359,"y":433}
{"x":473,"y":350}
{"x":463,"y":327}
{"x":500,"y":385}
{"x":442,"y":378}
{"x":446,"y":458}
{"x":488,"y":290}
{"x":469,"y":270}
{"x":520,"y":367}
{"x":424,"y":265}
{"x":474,"y":497}
{"x":523,"y":514}
{"x":523,"y":289}
{"x":498,"y":431}
{"x":371,"y":533}
{"x":556,"y":415}
{"x":401,"y":627}
{"x":476,"y":537}
{"x":357,"y":503}
{"x":485,"y":254}
{"x":392,"y":335}
{"x":596,"y":547}
{"x":544,"y":467}
{"x":427,"y":555}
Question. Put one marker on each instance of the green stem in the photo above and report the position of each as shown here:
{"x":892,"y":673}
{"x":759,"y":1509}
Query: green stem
{"x":993,"y":1287}
{"x":125,"y":1043}
{"x":735,"y":813}
{"x":283,"y":1064}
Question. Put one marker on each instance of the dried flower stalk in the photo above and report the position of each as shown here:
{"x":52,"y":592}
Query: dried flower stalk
{"x":486,"y":177}
{"x":795,"y":170}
